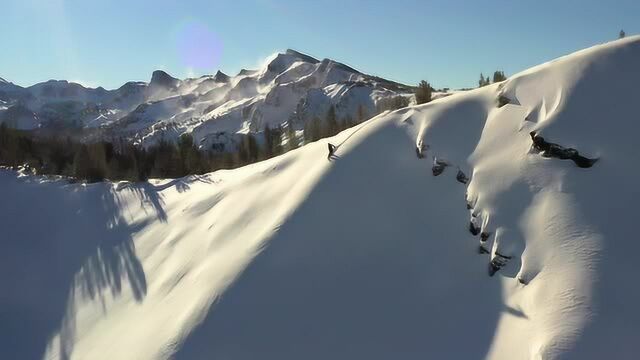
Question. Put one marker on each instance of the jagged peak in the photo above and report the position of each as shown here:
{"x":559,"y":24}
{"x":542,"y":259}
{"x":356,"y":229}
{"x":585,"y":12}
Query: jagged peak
{"x":244,"y":72}
{"x":301,"y":56}
{"x":133,"y":84}
{"x":160,"y":77}
{"x":332,"y":63}
{"x":221,"y":77}
{"x":280,"y":62}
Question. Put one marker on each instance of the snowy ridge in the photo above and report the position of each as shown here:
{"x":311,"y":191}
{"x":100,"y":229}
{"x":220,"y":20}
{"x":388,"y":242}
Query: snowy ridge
{"x":368,"y":256}
{"x":290,"y":88}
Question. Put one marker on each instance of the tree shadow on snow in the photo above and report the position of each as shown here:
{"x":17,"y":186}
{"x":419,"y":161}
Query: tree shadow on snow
{"x":60,"y":242}
{"x":150,"y":195}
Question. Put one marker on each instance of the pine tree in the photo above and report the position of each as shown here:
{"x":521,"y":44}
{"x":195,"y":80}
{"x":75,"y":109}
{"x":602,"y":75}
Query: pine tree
{"x":268,"y":141}
{"x":190,"y":157}
{"x":331,"y":123}
{"x":498,"y":76}
{"x":346,"y":123}
{"x":273,"y":141}
{"x":166,"y":160}
{"x":276,"y":141}
{"x":251,"y":148}
{"x":423,"y":92}
{"x":362,"y":114}
{"x":98,"y":169}
{"x":292,"y":138}
{"x":621,"y":34}
{"x":81,"y":163}
{"x":313,"y":130}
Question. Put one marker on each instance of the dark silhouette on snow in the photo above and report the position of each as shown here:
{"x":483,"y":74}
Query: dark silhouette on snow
{"x":497,"y":263}
{"x":461,"y":177}
{"x":332,"y":150}
{"x":473,"y":228}
{"x":484,"y":236}
{"x":438,"y":166}
{"x":552,"y":150}
{"x":503,"y":100}
{"x":420,"y":148}
{"x":470,"y":203}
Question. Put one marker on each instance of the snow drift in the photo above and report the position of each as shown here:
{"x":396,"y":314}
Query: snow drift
{"x":367,"y":256}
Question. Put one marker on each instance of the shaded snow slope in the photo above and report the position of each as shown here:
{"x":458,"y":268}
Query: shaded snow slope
{"x":367,"y":256}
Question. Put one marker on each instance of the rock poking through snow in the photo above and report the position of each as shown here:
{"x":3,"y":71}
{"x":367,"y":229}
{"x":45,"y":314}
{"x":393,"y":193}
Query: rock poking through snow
{"x":438,"y":166}
{"x":461,"y":177}
{"x":552,"y":150}
{"x":497,"y":262}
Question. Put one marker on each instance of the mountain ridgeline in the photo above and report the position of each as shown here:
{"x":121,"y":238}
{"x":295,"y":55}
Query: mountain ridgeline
{"x":291,"y":89}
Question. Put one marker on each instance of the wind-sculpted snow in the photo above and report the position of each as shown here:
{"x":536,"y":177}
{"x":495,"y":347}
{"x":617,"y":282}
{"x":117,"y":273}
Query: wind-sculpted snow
{"x":368,"y":255}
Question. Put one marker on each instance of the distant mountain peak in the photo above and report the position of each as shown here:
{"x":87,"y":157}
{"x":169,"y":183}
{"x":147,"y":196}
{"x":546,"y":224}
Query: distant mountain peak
{"x":301,"y":56}
{"x":332,"y":63}
{"x":163,"y":79}
{"x":221,"y":77}
{"x":246,"y":72}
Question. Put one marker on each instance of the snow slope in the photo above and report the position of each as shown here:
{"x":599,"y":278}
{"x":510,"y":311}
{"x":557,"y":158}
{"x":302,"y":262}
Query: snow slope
{"x":367,"y":256}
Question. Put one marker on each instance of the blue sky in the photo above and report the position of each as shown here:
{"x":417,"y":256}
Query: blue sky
{"x":448,"y":42}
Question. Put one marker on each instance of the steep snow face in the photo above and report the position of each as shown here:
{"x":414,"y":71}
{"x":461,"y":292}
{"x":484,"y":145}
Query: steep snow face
{"x":366,"y":256}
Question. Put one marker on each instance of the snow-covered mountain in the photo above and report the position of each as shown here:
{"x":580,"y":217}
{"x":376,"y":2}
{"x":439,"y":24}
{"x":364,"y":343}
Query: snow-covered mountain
{"x":290,"y":88}
{"x":369,"y":256}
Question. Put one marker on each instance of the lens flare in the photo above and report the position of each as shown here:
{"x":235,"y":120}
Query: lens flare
{"x":198,"y":47}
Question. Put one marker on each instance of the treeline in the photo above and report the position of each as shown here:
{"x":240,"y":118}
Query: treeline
{"x":121,"y":160}
{"x":498,"y":76}
{"x":97,"y":161}
{"x":317,"y":129}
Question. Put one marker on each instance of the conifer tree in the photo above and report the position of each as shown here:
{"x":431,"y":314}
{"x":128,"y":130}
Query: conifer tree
{"x":362,"y":114}
{"x":423,"y":92}
{"x":292,"y":139}
{"x":331,"y":124}
{"x":499,"y":76}
{"x":482,"y":82}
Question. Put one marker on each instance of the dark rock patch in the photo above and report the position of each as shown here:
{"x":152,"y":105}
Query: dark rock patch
{"x":553,"y":150}
{"x":497,"y":263}
{"x":438,"y":167}
{"x":461,"y":177}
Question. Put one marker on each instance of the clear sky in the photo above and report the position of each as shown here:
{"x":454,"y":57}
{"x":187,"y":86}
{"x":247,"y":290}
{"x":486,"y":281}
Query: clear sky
{"x":448,"y":42}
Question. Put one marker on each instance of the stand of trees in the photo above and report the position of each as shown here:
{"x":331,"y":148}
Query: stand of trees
{"x":121,"y":160}
{"x":392,"y":103}
{"x":317,"y":129}
{"x":423,"y":92}
{"x":498,"y":76}
{"x":118,"y":160}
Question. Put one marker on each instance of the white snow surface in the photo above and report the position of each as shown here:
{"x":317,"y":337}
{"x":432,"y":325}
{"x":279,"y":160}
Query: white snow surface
{"x":364,"y":257}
